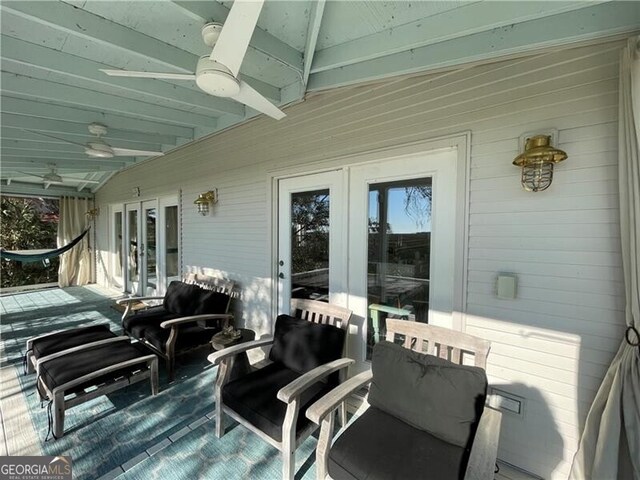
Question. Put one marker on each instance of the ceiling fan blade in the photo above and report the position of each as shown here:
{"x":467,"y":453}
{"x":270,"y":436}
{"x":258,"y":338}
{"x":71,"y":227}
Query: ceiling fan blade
{"x":127,"y":152}
{"x":30,"y":174}
{"x":166,"y":76}
{"x":255,"y":100}
{"x":236,"y":33}
{"x":56,"y":138}
{"x":79,"y":180}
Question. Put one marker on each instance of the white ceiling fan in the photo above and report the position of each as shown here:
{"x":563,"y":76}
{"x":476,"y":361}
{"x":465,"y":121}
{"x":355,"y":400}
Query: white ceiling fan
{"x":98,"y":148}
{"x":217,"y":74}
{"x":54,"y":179}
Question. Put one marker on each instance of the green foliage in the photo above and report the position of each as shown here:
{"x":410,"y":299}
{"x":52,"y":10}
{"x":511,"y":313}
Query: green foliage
{"x":310,"y":231}
{"x":26,"y":224}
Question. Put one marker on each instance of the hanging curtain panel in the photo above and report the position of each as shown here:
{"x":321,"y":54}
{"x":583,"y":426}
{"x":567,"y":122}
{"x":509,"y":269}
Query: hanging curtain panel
{"x":610,"y":444}
{"x":75,"y":265}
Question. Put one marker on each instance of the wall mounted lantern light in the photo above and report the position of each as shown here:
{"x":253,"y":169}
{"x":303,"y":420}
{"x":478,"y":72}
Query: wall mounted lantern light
{"x":205,"y":200}
{"x":537,"y":163}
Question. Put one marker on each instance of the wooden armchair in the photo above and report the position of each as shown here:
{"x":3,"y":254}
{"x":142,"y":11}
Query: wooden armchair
{"x":414,"y":427}
{"x":305,"y":364}
{"x":192,"y":311}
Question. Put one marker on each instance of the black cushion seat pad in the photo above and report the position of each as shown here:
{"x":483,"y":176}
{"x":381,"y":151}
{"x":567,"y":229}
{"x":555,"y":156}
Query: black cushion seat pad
{"x":66,"y":368}
{"x":379,"y":446}
{"x":136,"y":324}
{"x":69,"y":339}
{"x":254,"y":397}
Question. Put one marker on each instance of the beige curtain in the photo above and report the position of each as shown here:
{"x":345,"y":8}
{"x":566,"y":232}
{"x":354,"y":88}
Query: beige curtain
{"x":75,"y":265}
{"x":610,"y":444}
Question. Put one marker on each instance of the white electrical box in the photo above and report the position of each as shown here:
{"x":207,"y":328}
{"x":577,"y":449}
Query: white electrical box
{"x":506,"y":402}
{"x":506,"y":286}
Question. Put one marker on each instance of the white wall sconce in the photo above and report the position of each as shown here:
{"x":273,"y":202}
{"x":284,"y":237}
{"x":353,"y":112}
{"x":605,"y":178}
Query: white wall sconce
{"x":537,"y":163}
{"x":205,"y":200}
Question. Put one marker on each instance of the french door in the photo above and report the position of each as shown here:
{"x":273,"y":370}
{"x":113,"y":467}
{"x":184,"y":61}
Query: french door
{"x":150,"y":249}
{"x":310,"y":264}
{"x":379,"y":238}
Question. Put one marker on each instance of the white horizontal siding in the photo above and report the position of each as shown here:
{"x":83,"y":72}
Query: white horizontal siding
{"x":553,"y":343}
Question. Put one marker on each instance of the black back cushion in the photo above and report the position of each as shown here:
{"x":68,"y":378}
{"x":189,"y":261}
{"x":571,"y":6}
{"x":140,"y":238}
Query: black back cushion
{"x":301,"y":345}
{"x":181,"y":298}
{"x":427,"y":392}
{"x":208,"y":301}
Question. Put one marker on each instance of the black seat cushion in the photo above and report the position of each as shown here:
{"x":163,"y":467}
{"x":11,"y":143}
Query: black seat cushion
{"x":429,"y":393}
{"x":189,"y":336}
{"x":137,"y":324}
{"x":253,"y":397}
{"x":208,"y":301}
{"x":379,"y":446}
{"x":301,"y":345}
{"x":69,"y":367}
{"x":69,"y":339}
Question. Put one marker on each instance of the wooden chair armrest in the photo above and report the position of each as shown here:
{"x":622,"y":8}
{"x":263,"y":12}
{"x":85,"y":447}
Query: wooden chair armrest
{"x":300,"y":384}
{"x":225,"y":353}
{"x":335,"y":397}
{"x":482,"y":458}
{"x":124,"y":301}
{"x":194,"y":318}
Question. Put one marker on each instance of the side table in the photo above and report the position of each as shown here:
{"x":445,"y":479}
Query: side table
{"x":241,"y":366}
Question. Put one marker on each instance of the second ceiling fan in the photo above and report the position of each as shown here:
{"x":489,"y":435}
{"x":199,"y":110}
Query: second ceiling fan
{"x":217,"y":74}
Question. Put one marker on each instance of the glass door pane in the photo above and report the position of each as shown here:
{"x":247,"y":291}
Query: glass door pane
{"x":310,"y":245}
{"x":399,"y":254}
{"x":149,"y":251}
{"x":133,"y":269}
{"x":117,"y":246}
{"x":172,"y":269}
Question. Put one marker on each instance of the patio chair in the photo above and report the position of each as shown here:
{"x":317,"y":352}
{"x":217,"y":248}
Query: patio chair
{"x":424,"y":416}
{"x":305,"y":364}
{"x":192,"y":311}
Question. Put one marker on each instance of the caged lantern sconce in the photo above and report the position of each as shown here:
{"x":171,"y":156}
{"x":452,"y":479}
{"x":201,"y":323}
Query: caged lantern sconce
{"x":537,"y":163}
{"x":205,"y":200}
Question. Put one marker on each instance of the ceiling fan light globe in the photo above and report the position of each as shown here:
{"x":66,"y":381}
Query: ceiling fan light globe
{"x":211,"y":33}
{"x":216,"y":79}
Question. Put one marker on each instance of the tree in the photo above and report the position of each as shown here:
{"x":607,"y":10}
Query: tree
{"x":28,"y":223}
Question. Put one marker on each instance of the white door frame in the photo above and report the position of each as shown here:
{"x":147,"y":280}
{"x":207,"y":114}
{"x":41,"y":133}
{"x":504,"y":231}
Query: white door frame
{"x":117,"y":282}
{"x":163,"y":203}
{"x":333,"y":181}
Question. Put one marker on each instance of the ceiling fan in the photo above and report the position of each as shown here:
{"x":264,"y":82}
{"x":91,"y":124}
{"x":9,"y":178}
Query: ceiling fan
{"x":217,"y":74}
{"x":53,"y":178}
{"x":98,"y":148}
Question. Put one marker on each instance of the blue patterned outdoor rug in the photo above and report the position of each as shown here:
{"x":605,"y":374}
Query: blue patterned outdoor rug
{"x":131,"y":434}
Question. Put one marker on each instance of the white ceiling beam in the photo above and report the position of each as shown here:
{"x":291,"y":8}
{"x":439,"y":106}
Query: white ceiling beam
{"x":57,"y":92}
{"x":586,"y":24}
{"x":460,"y":22}
{"x":38,"y":109}
{"x":88,"y":70}
{"x":45,"y":153}
{"x":23,"y":122}
{"x":75,"y":21}
{"x":315,"y":20}
{"x":261,"y":40}
{"x":36,"y":189}
{"x":89,"y":165}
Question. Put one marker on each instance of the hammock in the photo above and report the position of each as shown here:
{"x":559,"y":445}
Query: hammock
{"x":45,"y":255}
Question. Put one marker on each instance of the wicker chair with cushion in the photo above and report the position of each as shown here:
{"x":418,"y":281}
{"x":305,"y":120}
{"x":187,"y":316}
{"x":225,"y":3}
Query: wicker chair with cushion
{"x":190,"y":314}
{"x":305,"y":356}
{"x":425,"y":416}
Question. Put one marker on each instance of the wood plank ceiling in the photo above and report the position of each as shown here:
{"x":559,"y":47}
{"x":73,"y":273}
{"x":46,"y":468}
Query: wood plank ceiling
{"x":52,"y":53}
